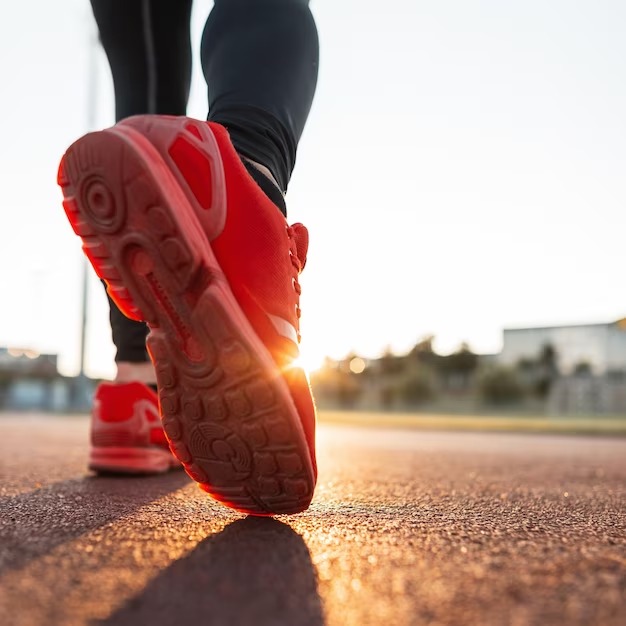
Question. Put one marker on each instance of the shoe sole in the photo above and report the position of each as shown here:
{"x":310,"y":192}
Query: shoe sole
{"x":127,"y":460}
{"x":226,"y":409}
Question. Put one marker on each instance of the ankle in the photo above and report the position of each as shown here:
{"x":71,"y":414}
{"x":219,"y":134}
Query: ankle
{"x":264,"y":179}
{"x":135,"y":372}
{"x":264,"y":170}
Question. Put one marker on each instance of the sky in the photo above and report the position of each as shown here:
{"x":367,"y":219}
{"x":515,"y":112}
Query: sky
{"x":462,"y":171}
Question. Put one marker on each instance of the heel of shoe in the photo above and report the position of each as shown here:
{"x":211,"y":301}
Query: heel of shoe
{"x":190,"y":150}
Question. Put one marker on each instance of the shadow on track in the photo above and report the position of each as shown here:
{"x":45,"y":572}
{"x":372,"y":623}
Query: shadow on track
{"x":256,"y":571}
{"x":34,"y":523}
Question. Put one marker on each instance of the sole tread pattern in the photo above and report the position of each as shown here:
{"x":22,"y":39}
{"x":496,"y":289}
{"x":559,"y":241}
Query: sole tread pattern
{"x":227,"y":417}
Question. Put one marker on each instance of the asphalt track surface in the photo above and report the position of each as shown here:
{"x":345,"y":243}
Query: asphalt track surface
{"x":407,"y":527}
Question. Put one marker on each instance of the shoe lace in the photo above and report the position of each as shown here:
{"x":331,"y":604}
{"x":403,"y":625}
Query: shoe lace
{"x":298,"y":244}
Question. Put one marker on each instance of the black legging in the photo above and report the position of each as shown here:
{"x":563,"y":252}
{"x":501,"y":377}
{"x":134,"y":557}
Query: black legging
{"x":259,"y":58}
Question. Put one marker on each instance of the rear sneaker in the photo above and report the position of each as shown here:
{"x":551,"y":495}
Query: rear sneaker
{"x":188,"y":242}
{"x":126,"y":433}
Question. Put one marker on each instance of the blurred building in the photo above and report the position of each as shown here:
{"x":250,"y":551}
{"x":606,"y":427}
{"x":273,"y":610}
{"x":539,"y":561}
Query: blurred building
{"x":27,"y":362}
{"x":31,"y":381}
{"x":601,"y":346}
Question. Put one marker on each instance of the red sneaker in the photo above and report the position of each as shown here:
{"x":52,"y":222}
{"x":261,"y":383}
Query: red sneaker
{"x":126,"y":432}
{"x":188,"y":242}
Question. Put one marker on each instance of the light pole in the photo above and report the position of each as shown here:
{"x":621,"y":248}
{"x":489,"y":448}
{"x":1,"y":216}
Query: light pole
{"x":92,"y":93}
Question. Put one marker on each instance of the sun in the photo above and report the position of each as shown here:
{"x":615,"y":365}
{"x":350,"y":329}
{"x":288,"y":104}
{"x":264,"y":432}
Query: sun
{"x":309,"y":360}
